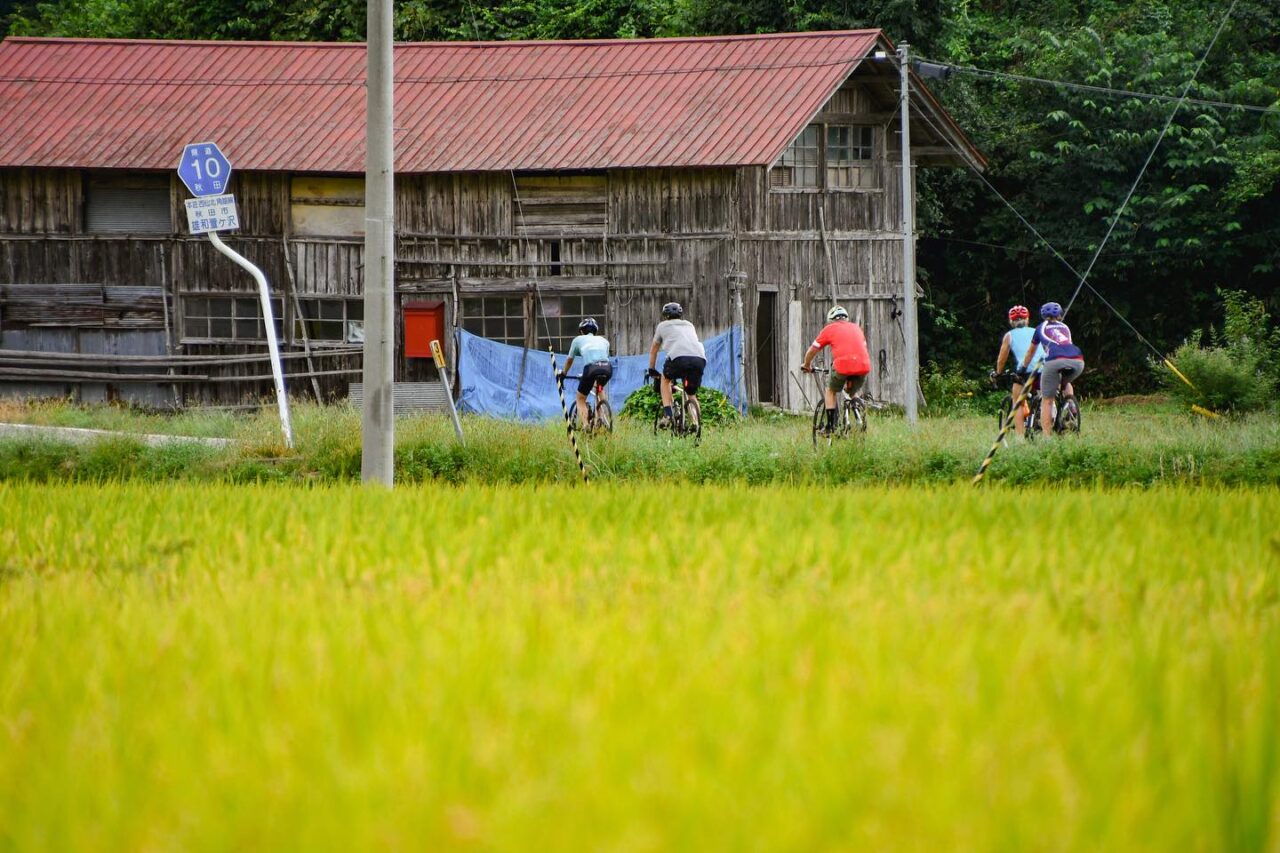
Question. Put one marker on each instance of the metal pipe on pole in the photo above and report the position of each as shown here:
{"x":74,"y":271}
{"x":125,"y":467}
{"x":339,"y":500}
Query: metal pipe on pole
{"x":377,"y":459}
{"x":737,"y":281}
{"x":268,"y":320}
{"x":911,"y":358}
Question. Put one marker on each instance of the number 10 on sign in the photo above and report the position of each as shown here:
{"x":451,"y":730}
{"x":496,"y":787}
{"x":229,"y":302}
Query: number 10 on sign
{"x":204,"y":169}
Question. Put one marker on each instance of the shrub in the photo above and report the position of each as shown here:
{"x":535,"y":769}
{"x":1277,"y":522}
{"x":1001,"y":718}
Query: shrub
{"x":643,"y":404}
{"x":1225,"y":381}
{"x":1234,"y":373}
{"x":948,"y":392}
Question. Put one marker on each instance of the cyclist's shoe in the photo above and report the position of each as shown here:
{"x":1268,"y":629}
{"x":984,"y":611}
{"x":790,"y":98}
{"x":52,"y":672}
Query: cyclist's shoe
{"x":664,"y":422}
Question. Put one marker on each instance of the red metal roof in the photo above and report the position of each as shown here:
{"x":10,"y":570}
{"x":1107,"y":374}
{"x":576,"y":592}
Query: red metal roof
{"x":460,"y":106}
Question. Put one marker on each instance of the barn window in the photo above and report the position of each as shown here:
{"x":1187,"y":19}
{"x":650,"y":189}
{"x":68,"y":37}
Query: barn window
{"x":849,"y":156}
{"x":327,"y":207}
{"x":227,"y":317}
{"x":561,"y":314}
{"x":827,"y":156}
{"x":556,"y":268}
{"x":133,"y":204}
{"x":498,"y":318}
{"x":798,"y":165}
{"x":330,"y":320}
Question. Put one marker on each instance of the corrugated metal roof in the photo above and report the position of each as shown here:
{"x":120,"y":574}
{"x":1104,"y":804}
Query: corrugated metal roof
{"x":460,"y":106}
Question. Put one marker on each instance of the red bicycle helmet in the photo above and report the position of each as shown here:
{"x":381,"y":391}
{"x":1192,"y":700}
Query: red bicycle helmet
{"x":1019,"y":312}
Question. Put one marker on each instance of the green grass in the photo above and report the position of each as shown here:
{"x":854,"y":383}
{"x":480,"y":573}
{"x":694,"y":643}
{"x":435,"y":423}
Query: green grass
{"x":637,"y":667}
{"x":1120,"y":446}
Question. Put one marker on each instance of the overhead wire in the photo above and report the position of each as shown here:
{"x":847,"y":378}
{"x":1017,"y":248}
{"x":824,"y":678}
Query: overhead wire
{"x":1083,"y":277}
{"x":546,"y":324}
{"x":1106,"y":90}
{"x":1154,"y":148}
{"x":1055,"y":253}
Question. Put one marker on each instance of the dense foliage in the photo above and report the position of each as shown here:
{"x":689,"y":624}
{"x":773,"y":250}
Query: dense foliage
{"x":1236,"y":369}
{"x":1203,"y":216}
{"x":643,"y":405}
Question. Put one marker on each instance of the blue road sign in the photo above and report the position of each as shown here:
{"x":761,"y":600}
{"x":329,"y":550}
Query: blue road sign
{"x":204,"y":169}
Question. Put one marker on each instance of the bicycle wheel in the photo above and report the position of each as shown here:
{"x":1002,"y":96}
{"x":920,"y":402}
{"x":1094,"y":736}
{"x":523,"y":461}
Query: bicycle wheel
{"x":1032,"y":427}
{"x":858,"y":414}
{"x":1069,"y":416}
{"x":843,"y":426}
{"x":820,"y":433}
{"x":677,"y":415}
{"x":1006,"y":406}
{"x":573,"y":417}
{"x":693,"y":419}
{"x":604,"y":416}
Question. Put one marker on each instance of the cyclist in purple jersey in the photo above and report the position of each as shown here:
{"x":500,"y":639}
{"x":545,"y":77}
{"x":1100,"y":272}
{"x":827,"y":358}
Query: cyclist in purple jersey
{"x":1063,"y":363}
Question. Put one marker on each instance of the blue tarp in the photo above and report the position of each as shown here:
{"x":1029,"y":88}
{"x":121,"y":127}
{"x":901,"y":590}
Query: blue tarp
{"x":503,"y":381}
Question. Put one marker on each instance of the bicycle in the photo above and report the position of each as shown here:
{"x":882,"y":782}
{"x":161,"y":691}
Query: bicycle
{"x":851,"y":414}
{"x":1007,"y":379}
{"x":686,"y":413}
{"x":599,"y":416}
{"x":1066,"y":413}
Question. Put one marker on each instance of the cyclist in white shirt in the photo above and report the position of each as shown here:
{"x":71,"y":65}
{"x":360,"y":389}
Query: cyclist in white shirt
{"x":686,"y":358}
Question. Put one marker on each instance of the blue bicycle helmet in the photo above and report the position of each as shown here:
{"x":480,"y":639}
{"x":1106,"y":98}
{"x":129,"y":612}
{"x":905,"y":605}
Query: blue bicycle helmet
{"x":588,"y":326}
{"x":672,"y":310}
{"x":1051,"y":311}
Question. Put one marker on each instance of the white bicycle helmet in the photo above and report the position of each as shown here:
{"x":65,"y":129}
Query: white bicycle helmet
{"x":837,"y":313}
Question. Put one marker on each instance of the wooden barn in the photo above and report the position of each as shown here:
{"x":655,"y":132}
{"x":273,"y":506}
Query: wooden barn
{"x":537,"y":183}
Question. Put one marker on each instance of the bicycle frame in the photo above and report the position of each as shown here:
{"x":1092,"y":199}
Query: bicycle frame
{"x":851,"y":408}
{"x":680,"y":399}
{"x":593,"y":415}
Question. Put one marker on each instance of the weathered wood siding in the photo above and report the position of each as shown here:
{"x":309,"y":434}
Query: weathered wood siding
{"x":39,"y":201}
{"x":641,"y":236}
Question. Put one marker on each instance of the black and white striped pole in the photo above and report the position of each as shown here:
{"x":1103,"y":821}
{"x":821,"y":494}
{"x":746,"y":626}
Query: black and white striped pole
{"x":568,"y":424}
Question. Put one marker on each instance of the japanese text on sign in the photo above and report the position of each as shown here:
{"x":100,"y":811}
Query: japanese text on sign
{"x":212,"y":213}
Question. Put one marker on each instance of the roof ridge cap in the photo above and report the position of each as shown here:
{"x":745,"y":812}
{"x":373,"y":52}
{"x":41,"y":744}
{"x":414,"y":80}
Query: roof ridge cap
{"x":512,"y":43}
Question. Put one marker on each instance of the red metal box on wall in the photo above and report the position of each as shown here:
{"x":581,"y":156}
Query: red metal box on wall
{"x":423,"y":323}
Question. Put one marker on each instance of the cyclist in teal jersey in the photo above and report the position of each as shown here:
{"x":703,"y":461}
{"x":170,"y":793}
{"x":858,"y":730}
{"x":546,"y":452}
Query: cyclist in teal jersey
{"x":593,"y":349}
{"x":1016,"y":342}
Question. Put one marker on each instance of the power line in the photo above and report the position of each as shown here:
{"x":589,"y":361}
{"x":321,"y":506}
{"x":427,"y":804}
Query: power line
{"x":1141,"y":172}
{"x":1168,"y":250}
{"x":1105,"y":90}
{"x":1048,"y":245}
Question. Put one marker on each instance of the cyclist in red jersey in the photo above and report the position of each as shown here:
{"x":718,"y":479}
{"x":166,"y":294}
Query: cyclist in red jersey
{"x":850,"y":361}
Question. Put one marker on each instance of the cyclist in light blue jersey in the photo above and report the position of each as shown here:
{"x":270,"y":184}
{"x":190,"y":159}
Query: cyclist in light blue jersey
{"x":593,"y":349}
{"x":1016,"y":343}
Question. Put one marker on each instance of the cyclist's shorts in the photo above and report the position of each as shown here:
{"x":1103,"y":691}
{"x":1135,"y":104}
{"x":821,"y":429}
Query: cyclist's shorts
{"x":1059,"y":371}
{"x":595,"y":373}
{"x":836,"y":381}
{"x":686,"y":367}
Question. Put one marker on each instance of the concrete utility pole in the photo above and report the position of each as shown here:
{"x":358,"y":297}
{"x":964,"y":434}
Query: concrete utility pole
{"x":377,"y":460}
{"x":911,"y":360}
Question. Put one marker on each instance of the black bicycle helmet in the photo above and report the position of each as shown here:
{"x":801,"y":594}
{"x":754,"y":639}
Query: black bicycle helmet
{"x":588,"y":326}
{"x":672,"y":310}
